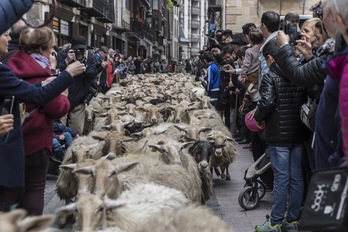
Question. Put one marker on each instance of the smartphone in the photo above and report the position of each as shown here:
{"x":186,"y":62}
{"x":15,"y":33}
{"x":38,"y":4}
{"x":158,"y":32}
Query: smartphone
{"x":291,"y":30}
{"x":7,"y":105}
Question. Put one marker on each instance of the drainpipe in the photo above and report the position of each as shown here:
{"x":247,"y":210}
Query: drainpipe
{"x":223,"y":14}
{"x":280,"y":7}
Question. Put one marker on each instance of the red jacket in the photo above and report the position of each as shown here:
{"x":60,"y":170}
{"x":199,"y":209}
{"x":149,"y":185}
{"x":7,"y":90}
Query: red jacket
{"x":38,"y":127}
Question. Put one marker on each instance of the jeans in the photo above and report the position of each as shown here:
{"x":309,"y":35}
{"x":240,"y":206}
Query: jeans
{"x":57,"y":146}
{"x":288,"y":182}
{"x":214,"y":102}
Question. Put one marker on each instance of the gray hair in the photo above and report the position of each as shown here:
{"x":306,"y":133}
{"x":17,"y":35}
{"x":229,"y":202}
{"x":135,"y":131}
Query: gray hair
{"x":339,"y":7}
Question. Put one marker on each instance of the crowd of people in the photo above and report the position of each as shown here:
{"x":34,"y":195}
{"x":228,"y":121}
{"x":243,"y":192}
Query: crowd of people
{"x":260,"y":82}
{"x":260,"y":75}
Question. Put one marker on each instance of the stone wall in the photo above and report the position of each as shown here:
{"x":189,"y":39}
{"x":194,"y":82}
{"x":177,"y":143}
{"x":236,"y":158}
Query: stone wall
{"x":240,"y":12}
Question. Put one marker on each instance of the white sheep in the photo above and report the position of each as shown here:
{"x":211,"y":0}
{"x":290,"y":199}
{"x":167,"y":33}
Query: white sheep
{"x":193,"y":218}
{"x":132,"y":208}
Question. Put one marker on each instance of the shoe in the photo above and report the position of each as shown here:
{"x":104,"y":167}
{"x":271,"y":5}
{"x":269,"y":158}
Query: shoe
{"x":238,"y":139}
{"x":244,"y":141}
{"x":248,"y":146}
{"x":290,"y":226}
{"x":268,"y":227}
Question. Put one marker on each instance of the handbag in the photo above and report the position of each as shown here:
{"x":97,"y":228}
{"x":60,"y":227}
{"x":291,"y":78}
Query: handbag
{"x":308,"y":112}
{"x":325,"y":207}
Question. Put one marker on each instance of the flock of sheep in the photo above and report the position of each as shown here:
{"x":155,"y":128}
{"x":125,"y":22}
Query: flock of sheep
{"x":146,"y":161}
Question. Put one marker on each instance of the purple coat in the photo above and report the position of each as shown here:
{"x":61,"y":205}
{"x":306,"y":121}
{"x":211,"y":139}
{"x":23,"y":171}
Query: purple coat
{"x":338,"y":69}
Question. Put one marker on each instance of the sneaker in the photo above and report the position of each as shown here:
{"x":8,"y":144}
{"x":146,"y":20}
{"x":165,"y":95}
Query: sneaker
{"x":268,"y":227}
{"x":290,"y":226}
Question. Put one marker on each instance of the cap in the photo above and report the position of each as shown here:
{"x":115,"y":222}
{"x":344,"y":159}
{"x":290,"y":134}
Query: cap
{"x":104,"y":49}
{"x":79,"y":42}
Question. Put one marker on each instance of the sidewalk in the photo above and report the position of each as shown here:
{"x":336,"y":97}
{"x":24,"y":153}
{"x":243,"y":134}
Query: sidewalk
{"x":227,"y":196}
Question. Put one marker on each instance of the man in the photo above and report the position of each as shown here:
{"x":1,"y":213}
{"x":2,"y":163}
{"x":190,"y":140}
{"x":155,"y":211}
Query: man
{"x":227,"y":37}
{"x":101,"y":66}
{"x":270,"y":21}
{"x":246,"y":28}
{"x":278,"y":112}
{"x":83,"y":89}
{"x":212,"y":80}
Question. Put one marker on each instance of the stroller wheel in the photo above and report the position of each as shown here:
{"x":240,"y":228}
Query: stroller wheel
{"x":261,"y":189}
{"x":248,"y":198}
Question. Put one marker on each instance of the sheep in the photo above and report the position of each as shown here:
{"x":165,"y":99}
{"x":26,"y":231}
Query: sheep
{"x":193,"y":218}
{"x":132,"y":208}
{"x":224,"y":153}
{"x":16,"y":221}
{"x":201,"y":152}
{"x":83,"y":148}
{"x":113,"y":177}
{"x":192,"y":131}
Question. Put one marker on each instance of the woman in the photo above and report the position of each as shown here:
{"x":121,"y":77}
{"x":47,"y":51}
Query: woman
{"x":11,"y":147}
{"x":31,"y":63}
{"x":338,"y":66}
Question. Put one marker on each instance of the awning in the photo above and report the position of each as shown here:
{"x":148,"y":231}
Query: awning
{"x":182,"y":37}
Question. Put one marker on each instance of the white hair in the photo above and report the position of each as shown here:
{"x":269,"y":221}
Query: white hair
{"x":340,"y":7}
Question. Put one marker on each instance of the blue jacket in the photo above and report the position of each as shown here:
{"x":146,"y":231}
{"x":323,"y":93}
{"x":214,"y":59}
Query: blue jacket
{"x":11,"y":11}
{"x":11,"y":144}
{"x":59,"y":128}
{"x":213,"y":77}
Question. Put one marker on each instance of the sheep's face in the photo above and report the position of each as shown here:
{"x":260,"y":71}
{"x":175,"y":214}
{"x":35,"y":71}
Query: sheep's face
{"x":90,"y":212}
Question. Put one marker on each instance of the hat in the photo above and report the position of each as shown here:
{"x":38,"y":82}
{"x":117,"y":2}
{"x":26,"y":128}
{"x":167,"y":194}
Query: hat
{"x":79,"y":42}
{"x":104,"y":49}
{"x":251,"y":123}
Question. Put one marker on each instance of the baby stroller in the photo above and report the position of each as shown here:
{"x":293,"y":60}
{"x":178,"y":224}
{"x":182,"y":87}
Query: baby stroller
{"x":254,"y":189}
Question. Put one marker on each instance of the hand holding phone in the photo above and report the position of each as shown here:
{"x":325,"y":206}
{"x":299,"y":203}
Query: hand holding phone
{"x":7,"y":105}
{"x":6,"y":124}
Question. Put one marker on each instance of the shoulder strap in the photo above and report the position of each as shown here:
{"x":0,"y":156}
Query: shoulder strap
{"x":8,"y":56}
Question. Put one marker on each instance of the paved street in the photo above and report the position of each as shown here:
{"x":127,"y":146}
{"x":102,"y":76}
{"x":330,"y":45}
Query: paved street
{"x":224,"y":202}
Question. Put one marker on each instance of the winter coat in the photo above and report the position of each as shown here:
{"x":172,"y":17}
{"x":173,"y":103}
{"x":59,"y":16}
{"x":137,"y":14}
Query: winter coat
{"x":338,"y":69}
{"x":307,"y":74}
{"x":279,"y":107}
{"x":213,"y":77}
{"x":11,"y":11}
{"x":11,"y":144}
{"x":59,"y":128}
{"x":38,"y":127}
{"x":80,"y":89}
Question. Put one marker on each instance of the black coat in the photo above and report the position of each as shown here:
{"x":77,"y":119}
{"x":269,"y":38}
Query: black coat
{"x":307,"y":74}
{"x":279,"y":107}
{"x":80,"y":89}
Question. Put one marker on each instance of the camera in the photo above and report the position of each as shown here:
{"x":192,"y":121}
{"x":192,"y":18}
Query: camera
{"x":79,"y":54}
{"x":92,"y":92}
{"x":222,"y":68}
{"x":291,"y":31}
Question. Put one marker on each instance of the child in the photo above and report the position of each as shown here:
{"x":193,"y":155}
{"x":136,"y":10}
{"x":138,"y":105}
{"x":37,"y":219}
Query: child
{"x":62,"y":136}
{"x":278,"y":112}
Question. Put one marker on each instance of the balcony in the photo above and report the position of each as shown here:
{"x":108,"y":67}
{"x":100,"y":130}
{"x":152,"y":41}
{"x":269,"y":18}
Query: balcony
{"x":74,"y":3}
{"x":103,"y":10}
{"x":195,"y":24}
{"x":195,"y":10}
{"x":195,"y":37}
{"x":136,"y":28}
{"x":147,"y":32}
{"x":215,"y":5}
{"x":125,"y":27}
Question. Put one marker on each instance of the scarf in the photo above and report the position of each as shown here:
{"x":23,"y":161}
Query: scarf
{"x":41,"y":59}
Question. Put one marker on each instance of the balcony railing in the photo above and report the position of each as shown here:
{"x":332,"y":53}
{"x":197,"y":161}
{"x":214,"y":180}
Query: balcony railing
{"x":74,"y":3}
{"x":103,"y":10}
{"x":147,"y":31}
{"x":136,"y":27}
